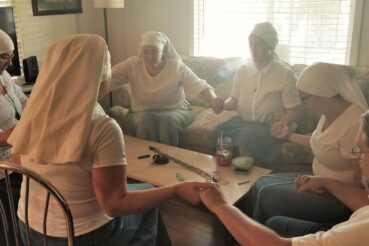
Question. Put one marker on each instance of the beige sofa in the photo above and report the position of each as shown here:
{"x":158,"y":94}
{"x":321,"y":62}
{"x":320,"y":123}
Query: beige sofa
{"x":219,"y":73}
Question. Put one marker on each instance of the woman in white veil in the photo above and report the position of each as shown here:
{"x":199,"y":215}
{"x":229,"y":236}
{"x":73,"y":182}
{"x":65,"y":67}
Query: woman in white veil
{"x":65,"y":136}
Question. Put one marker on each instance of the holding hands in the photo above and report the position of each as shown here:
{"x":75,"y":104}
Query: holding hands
{"x":279,"y":130}
{"x":310,"y":183}
{"x":189,"y":191}
{"x":217,"y":105}
{"x":212,"y":198}
{"x":207,"y":192}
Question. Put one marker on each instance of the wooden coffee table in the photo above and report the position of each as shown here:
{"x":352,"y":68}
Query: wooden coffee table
{"x":187,"y":225}
{"x":232,"y":185}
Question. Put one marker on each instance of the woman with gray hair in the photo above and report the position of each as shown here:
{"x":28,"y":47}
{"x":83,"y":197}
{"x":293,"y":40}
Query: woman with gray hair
{"x":327,"y":91}
{"x":159,"y":83}
{"x":12,"y":102}
{"x":265,"y":97}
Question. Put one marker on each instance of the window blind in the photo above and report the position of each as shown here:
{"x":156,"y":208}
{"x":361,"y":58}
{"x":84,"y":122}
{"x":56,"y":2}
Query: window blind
{"x":308,"y":30}
{"x":6,"y":3}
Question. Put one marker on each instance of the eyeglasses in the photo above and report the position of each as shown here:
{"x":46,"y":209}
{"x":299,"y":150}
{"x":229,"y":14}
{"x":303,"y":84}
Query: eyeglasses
{"x":6,"y":57}
{"x":357,"y":152}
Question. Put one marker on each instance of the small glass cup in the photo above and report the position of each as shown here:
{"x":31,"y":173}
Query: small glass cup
{"x":224,"y":151}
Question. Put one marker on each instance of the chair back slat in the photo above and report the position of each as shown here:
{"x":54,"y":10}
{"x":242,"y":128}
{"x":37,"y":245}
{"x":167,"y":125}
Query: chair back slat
{"x":51,"y":192}
{"x":13,"y":213}
{"x":45,"y":217}
{"x":28,"y":237}
{"x":5,"y":223}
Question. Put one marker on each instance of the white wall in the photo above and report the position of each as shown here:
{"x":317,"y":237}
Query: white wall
{"x":38,"y":32}
{"x":172,"y":17}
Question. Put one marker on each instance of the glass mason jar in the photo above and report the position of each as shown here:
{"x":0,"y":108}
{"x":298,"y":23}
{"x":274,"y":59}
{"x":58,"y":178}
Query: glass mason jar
{"x":224,"y":151}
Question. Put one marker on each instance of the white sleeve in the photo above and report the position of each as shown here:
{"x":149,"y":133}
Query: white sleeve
{"x":290,"y":96}
{"x":192,"y":84}
{"x":236,"y":87}
{"x":120,"y":74}
{"x":350,"y":234}
{"x":108,"y":145}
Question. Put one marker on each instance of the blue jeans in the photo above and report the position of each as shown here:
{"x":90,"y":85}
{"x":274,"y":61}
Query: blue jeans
{"x":135,"y":229}
{"x":275,"y":195}
{"x":290,"y":227}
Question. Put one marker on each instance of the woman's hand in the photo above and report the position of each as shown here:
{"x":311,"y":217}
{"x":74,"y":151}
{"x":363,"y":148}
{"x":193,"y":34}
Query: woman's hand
{"x":279,"y":130}
{"x":218,"y":105}
{"x":310,"y":183}
{"x":189,"y":191}
{"x":212,"y":198}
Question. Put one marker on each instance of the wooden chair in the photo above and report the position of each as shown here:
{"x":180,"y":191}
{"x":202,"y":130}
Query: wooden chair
{"x":28,"y":175}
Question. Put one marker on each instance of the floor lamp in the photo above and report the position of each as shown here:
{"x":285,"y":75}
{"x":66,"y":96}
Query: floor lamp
{"x":104,"y":4}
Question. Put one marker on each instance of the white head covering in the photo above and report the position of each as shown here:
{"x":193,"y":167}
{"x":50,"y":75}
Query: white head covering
{"x":267,"y":32}
{"x":159,"y":40}
{"x":328,"y":80}
{"x":6,"y":43}
{"x":56,"y":122}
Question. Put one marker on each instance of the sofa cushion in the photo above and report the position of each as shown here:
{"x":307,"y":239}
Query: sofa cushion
{"x":198,"y":135}
{"x":217,"y":72}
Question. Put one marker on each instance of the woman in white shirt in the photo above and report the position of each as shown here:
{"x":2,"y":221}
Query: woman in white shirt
{"x":12,"y":102}
{"x":265,"y":97}
{"x":159,"y":83}
{"x":329,"y":92}
{"x":80,"y":150}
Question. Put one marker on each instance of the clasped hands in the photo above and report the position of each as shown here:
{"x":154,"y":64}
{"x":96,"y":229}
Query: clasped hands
{"x":207,"y":192}
{"x":310,"y":183}
{"x":279,"y":130}
{"x":218,"y":104}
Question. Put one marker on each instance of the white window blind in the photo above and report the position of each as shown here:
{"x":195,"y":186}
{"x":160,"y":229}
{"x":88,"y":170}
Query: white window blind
{"x":6,"y":3}
{"x":308,"y":30}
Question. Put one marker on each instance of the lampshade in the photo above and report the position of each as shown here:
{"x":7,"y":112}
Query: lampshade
{"x":109,"y":3}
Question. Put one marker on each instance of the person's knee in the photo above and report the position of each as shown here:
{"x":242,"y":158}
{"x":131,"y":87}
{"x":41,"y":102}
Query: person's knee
{"x":267,"y":196}
{"x":167,"y":121}
{"x":275,"y":222}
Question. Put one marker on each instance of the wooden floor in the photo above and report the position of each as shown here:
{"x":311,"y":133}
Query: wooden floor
{"x":192,"y":226}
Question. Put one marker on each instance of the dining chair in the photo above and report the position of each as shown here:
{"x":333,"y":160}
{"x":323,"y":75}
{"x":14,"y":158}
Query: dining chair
{"x":51,"y":191}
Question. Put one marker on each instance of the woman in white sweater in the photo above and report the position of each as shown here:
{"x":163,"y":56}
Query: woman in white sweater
{"x":159,"y":83}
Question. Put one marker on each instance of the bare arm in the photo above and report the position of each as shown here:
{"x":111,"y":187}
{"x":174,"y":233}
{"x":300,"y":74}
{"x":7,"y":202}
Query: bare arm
{"x":352,"y":196}
{"x":290,"y":115}
{"x":111,"y":191}
{"x":245,"y":230}
{"x":301,"y":139}
{"x":4,"y":136}
{"x":277,"y":129}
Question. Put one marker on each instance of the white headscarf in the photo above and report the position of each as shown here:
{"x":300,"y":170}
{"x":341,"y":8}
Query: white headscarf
{"x":328,"y":80}
{"x":267,"y":32}
{"x":6,"y":43}
{"x":159,"y":40}
{"x":56,"y":122}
